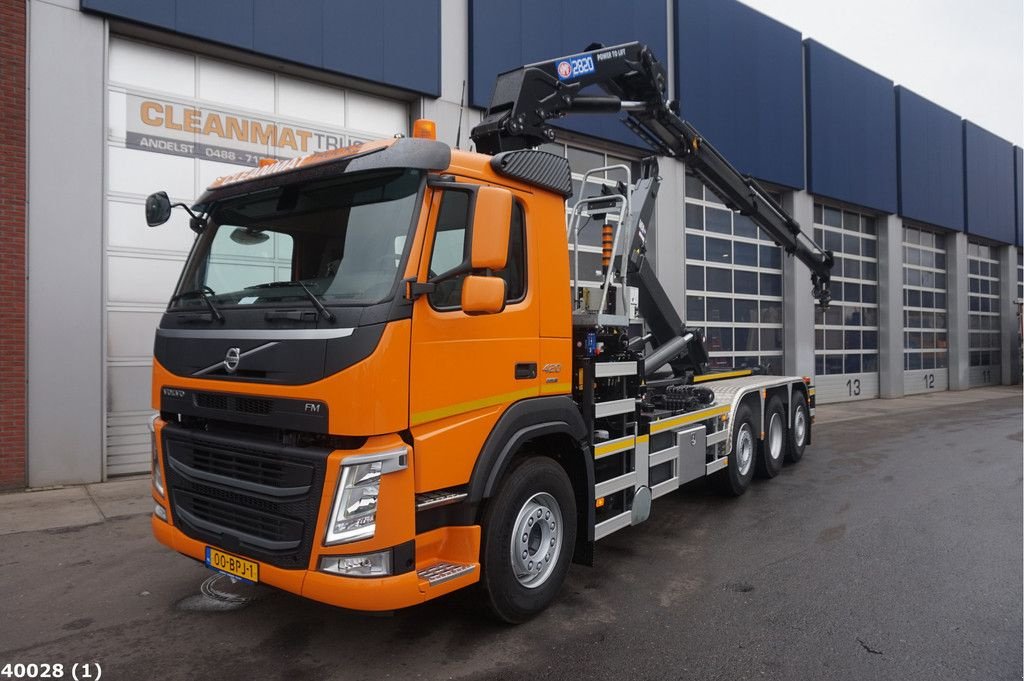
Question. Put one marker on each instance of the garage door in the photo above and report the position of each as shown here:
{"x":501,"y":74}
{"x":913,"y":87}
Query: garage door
{"x":984,"y":341}
{"x":176,"y":121}
{"x":925,"y":328}
{"x":846,"y":335}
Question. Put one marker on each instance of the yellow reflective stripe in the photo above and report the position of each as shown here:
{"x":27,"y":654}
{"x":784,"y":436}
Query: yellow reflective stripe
{"x":461,"y":407}
{"x":562,"y":387}
{"x":724,"y":374}
{"x":668,"y":424}
{"x":613,"y":447}
{"x":642,"y":438}
{"x":810,"y":391}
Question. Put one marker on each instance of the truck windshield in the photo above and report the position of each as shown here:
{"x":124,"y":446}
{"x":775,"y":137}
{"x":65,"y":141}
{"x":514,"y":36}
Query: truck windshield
{"x":344,"y":240}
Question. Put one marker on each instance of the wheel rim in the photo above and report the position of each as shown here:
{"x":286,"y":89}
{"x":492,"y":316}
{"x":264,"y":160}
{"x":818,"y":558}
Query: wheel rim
{"x":536,"y":540}
{"x":799,"y":426}
{"x":744,"y":449}
{"x":775,"y":436}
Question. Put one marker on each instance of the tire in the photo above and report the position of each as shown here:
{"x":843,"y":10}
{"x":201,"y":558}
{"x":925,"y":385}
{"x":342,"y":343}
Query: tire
{"x":737,"y":475}
{"x":799,"y":429}
{"x":775,"y":442}
{"x":518,"y":586}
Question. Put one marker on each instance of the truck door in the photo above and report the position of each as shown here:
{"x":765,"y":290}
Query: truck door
{"x":465,"y":370}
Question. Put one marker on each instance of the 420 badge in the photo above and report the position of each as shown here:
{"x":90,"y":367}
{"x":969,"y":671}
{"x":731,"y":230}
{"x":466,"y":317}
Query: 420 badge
{"x":573,"y":67}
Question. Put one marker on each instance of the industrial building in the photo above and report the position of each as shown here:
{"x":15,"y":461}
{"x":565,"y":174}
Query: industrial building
{"x":120,"y":99}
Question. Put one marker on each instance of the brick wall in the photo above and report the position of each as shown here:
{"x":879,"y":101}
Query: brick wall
{"x":13,"y":169}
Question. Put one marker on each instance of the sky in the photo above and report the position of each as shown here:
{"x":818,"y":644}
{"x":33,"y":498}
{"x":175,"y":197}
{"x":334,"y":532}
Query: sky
{"x":965,"y":55}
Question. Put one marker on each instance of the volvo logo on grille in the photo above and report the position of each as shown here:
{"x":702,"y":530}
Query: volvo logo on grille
{"x":231,"y":359}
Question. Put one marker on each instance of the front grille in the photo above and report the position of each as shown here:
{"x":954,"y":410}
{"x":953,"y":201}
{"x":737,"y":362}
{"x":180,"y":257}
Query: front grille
{"x":245,"y":405}
{"x":250,"y":405}
{"x":262,"y":470}
{"x":256,"y":498}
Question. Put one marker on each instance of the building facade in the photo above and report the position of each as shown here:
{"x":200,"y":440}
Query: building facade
{"x":111,"y":100}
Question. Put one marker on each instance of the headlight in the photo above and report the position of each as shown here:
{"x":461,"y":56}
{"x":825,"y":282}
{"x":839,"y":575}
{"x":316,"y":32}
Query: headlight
{"x":158,"y":476}
{"x":354,"y":515}
{"x":367,"y":565}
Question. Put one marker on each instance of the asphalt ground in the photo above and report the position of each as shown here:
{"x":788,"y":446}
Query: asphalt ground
{"x":892,"y":551}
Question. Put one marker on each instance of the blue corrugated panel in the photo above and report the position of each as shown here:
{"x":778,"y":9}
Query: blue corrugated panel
{"x":393,"y":42}
{"x":988,"y":185}
{"x":851,"y":131}
{"x":153,"y":12}
{"x":225,"y":21}
{"x":1018,"y":168}
{"x":289,"y":29}
{"x":739,"y":78}
{"x":504,"y":35}
{"x":931,"y":161}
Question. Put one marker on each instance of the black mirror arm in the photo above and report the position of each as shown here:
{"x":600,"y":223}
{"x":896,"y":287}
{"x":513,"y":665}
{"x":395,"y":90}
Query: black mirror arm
{"x":196,"y":223}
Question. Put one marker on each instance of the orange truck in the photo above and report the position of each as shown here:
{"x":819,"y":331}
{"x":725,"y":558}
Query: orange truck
{"x":380,"y":380}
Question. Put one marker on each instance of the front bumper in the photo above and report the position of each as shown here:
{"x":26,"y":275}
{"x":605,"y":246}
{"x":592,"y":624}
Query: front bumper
{"x":210,"y":500}
{"x":446,"y":544}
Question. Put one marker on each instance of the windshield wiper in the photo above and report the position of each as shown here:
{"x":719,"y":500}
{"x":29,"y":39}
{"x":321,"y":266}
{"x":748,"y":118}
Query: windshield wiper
{"x":309,"y":294}
{"x":202,"y":293}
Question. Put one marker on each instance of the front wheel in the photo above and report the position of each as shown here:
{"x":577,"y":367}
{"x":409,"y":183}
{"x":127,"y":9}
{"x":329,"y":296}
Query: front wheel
{"x":529,"y":533}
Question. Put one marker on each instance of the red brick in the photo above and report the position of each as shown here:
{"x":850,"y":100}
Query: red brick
{"x":12,"y":243}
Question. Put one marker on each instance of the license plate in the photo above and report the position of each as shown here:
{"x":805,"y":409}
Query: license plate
{"x":232,"y":565}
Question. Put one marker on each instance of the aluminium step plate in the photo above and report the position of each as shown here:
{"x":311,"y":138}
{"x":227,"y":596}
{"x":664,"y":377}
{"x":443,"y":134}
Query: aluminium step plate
{"x":439,"y":573}
{"x":427,"y":500}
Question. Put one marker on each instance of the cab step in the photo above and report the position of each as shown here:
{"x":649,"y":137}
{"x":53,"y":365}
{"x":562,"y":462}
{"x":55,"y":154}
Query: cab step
{"x":439,"y":573}
{"x":426,"y":500}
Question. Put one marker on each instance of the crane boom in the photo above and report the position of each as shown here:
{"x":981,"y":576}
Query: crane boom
{"x":634,"y":82}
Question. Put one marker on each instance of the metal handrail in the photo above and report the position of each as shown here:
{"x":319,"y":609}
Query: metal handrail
{"x":624,"y":215}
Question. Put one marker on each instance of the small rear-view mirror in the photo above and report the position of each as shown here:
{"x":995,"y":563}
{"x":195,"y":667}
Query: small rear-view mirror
{"x":158,"y":209}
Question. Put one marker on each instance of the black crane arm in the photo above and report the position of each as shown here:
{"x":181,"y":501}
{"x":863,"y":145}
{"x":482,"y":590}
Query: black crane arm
{"x":634,"y":81}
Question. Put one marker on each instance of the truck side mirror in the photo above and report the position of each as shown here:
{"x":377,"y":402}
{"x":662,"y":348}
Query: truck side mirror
{"x":483,"y":295}
{"x":158,"y":209}
{"x":492,"y":219}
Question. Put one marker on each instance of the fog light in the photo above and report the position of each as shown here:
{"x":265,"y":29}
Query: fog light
{"x":160,"y":512}
{"x":366,"y":565}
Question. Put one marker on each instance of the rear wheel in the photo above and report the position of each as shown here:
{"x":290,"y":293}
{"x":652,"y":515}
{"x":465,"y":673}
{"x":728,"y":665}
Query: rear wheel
{"x":799,"y":429}
{"x":773,"y":446}
{"x":737,"y":475}
{"x":529,"y":534}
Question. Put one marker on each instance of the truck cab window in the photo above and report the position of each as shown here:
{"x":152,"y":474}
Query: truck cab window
{"x":451,"y":248}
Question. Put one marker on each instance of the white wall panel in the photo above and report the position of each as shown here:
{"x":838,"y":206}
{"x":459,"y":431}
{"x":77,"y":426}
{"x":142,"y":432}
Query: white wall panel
{"x":128,"y":387}
{"x":127,"y":228}
{"x":152,"y":68}
{"x":846,"y":387}
{"x":311,"y":102}
{"x":382,"y":117}
{"x":925,"y":381}
{"x":140,"y":279}
{"x":237,"y":86}
{"x":141,"y":173}
{"x":117,"y":115}
{"x":130,"y":333}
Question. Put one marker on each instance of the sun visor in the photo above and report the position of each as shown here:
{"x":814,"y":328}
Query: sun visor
{"x":398,"y":153}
